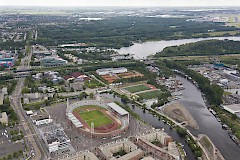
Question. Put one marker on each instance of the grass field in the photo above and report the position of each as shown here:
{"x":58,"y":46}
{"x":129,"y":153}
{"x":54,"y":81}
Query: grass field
{"x":221,"y":33}
{"x":95,"y":116}
{"x":138,"y":88}
{"x":150,"y":94}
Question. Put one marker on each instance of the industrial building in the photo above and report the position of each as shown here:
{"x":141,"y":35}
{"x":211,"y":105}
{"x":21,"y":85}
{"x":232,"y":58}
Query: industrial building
{"x":106,"y":71}
{"x":52,"y":61}
{"x":55,"y":138}
{"x":111,"y":151}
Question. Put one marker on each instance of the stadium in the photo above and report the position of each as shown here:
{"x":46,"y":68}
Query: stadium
{"x":97,"y":119}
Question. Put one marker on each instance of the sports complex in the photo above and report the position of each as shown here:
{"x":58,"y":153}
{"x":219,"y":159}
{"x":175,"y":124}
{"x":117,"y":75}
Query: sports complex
{"x":142,"y":90}
{"x":98,"y":119}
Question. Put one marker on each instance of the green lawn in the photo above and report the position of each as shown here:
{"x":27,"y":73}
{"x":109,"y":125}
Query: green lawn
{"x":150,"y":94}
{"x":95,"y":116}
{"x":138,"y":88}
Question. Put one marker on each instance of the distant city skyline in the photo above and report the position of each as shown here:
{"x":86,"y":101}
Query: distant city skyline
{"x":172,"y":3}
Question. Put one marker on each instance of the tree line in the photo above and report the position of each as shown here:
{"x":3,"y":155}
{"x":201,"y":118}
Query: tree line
{"x":202,"y":48}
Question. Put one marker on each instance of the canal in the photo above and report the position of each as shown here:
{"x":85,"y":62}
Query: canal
{"x":156,"y":123}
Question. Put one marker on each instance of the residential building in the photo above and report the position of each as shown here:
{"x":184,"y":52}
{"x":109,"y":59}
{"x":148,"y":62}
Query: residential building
{"x":130,"y":149}
{"x":159,"y":145}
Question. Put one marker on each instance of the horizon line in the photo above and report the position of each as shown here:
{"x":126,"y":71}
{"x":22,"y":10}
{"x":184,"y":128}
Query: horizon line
{"x":112,"y":6}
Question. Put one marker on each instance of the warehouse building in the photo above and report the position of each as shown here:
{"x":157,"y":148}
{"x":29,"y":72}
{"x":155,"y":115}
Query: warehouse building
{"x":106,"y":71}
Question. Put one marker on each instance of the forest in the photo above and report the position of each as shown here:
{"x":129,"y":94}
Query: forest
{"x":202,"y":48}
{"x":117,"y":32}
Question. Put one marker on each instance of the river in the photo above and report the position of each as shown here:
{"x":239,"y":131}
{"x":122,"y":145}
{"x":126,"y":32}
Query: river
{"x":142,"y":50}
{"x":192,"y":99}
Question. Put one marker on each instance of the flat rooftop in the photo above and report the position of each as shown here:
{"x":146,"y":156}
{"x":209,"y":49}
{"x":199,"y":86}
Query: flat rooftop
{"x":234,"y":107}
{"x":110,"y":69}
{"x":40,"y":116}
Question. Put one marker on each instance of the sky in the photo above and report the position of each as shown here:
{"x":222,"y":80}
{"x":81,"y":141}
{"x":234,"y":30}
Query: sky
{"x":119,"y":2}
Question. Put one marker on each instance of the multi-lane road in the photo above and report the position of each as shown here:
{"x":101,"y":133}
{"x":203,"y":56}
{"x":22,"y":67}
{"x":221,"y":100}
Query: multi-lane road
{"x":34,"y":146}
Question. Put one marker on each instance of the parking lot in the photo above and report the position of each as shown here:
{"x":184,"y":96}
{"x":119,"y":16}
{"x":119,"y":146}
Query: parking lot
{"x":6,"y":144}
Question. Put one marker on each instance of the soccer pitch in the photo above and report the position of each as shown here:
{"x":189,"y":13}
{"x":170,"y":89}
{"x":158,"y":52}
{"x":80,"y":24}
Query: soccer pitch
{"x":150,"y":94}
{"x":95,"y":116}
{"x":138,"y":88}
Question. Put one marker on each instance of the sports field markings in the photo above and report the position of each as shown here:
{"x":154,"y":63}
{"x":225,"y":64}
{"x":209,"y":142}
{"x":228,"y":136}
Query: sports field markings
{"x":137,"y":88}
{"x":95,"y":116}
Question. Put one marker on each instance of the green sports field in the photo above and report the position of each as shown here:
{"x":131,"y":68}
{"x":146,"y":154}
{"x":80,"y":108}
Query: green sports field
{"x":138,"y":88}
{"x":150,"y":94}
{"x":95,"y":116}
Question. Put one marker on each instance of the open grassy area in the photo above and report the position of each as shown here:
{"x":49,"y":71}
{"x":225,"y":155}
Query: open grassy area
{"x":150,"y":94}
{"x":95,"y":116}
{"x":138,"y":88}
{"x":222,"y":33}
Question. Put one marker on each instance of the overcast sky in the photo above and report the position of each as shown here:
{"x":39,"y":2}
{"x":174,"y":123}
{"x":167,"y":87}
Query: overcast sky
{"x":120,"y":2}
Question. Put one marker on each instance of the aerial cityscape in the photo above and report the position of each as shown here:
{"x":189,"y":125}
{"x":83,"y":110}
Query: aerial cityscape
{"x":139,"y":80}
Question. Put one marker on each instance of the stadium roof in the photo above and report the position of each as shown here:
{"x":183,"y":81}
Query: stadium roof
{"x":118,"y":109}
{"x":74,"y":120}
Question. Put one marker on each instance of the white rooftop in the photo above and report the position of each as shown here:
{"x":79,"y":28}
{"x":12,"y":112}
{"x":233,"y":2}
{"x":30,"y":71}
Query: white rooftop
{"x":74,"y":120}
{"x":118,"y":109}
{"x":111,"y":69}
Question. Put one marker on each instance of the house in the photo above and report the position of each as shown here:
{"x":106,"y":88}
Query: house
{"x":78,"y":76}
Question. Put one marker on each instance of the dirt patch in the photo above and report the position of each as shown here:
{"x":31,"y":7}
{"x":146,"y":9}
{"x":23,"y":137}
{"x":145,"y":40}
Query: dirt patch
{"x":179,"y":113}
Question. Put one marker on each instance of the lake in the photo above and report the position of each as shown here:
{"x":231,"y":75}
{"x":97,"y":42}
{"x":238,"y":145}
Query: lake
{"x":142,"y":50}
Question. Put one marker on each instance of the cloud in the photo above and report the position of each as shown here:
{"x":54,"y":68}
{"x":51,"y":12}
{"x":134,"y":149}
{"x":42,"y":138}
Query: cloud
{"x":120,"y":2}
